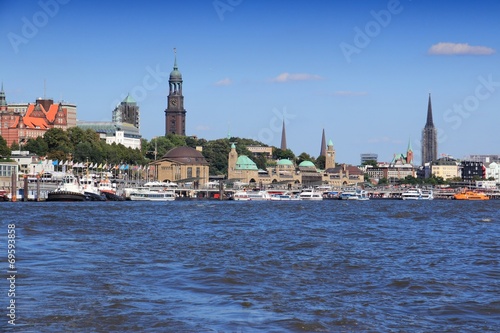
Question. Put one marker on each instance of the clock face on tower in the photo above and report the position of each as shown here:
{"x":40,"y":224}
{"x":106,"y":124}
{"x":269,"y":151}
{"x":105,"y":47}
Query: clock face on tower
{"x":173,"y":102}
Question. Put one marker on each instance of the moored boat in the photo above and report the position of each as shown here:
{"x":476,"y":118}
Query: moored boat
{"x":309,"y":194}
{"x":69,"y":190}
{"x":471,"y":195}
{"x":148,"y":194}
{"x":287,"y":196}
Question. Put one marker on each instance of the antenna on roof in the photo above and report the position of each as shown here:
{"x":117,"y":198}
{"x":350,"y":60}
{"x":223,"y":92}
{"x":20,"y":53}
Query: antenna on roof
{"x":44,"y":87}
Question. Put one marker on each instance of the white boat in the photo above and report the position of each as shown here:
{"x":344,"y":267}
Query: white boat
{"x":287,"y":196}
{"x":240,"y":196}
{"x":348,"y":193}
{"x":68,"y":190}
{"x":258,"y":195}
{"x":149,"y":194}
{"x":417,"y":194}
{"x":309,"y":194}
{"x":91,"y":190}
{"x":354,"y":194}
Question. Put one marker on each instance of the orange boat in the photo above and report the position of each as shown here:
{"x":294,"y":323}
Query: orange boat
{"x":470,"y":195}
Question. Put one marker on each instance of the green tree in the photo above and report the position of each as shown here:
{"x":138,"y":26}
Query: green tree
{"x":373,"y":163}
{"x":57,"y":139}
{"x":286,"y":154}
{"x":320,"y":162}
{"x":304,"y":157}
{"x":4,"y":149}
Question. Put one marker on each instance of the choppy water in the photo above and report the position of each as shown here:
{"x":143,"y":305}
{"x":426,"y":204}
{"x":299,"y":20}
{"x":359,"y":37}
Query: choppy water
{"x":209,"y":266}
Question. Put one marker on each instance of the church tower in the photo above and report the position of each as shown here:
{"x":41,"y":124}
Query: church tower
{"x":3,"y":102}
{"x":283,"y":137}
{"x":231,"y":162}
{"x":429,"y":137}
{"x":175,"y":114}
{"x":322,"y":151}
{"x":330,"y":156}
{"x":409,"y":153}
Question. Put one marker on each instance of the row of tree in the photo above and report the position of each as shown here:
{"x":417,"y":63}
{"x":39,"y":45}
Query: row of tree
{"x":81,"y":145}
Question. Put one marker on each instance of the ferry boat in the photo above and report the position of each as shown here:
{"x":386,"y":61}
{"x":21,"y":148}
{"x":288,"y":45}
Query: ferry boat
{"x":471,"y":195}
{"x":417,"y":194}
{"x":240,"y":196}
{"x":149,"y":194}
{"x":287,"y":196}
{"x":353,"y":194}
{"x":309,"y":194}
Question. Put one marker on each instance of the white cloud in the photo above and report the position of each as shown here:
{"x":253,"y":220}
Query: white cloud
{"x":459,"y":48}
{"x":224,"y":82}
{"x":202,"y":128}
{"x":349,"y":93}
{"x":287,"y":77}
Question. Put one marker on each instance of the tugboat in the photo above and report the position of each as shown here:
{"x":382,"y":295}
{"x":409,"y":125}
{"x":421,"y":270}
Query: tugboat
{"x":69,"y":190}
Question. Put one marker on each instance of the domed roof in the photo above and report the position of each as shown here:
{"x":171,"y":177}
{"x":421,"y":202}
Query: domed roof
{"x":284,"y":162}
{"x":175,"y":74}
{"x":244,"y":163}
{"x":307,"y":164}
{"x":185,"y":155}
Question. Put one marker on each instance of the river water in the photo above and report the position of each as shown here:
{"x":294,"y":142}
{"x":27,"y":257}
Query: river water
{"x":210,"y":266}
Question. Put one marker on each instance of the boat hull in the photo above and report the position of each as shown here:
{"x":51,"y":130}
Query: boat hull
{"x":65,"y":196}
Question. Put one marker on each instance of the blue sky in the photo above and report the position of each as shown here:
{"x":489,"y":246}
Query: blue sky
{"x":360,"y":70}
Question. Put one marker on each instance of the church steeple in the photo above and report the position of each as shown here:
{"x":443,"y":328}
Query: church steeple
{"x":429,"y":137}
{"x":175,"y":114}
{"x":429,"y":122}
{"x":322,"y":151}
{"x":409,"y":153}
{"x":3,"y":102}
{"x":283,"y":137}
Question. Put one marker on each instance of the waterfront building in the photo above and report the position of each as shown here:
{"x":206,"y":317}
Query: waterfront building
{"x":493,"y":171}
{"x":267,"y":152}
{"x":472,"y":170}
{"x":446,"y":168}
{"x":329,"y":156}
{"x":118,"y":133}
{"x":20,"y":122}
{"x":368,"y":157}
{"x":242,"y":169}
{"x":429,"y":137}
{"x":124,"y":127}
{"x":127,"y":112}
{"x":7,"y":169}
{"x":182,"y":165}
{"x":343,"y":175}
{"x":175,"y":114}
{"x":483,"y":158}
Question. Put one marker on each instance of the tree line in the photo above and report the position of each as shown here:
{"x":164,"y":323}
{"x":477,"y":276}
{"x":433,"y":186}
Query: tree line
{"x":81,"y":145}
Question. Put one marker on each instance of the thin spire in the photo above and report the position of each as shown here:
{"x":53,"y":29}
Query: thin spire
{"x":175,"y":58}
{"x":409,"y":145}
{"x":429,"y":122}
{"x":283,"y":137}
{"x":323,"y":145}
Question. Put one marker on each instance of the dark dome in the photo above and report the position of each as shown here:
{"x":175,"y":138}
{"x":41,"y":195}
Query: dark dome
{"x":186,"y":155}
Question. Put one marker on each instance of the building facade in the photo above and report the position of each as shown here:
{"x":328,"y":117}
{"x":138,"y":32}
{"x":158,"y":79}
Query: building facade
{"x":175,"y":114}
{"x":127,"y":112}
{"x":446,"y":168}
{"x":181,"y":165}
{"x":429,"y":137}
{"x":20,"y":122}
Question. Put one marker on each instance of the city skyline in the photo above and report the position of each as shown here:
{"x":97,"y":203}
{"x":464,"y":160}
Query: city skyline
{"x":362,"y":72}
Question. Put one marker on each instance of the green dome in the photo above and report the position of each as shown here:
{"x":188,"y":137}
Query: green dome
{"x":175,"y":74}
{"x":244,"y":163}
{"x":307,"y":164}
{"x":284,"y":162}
